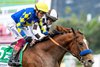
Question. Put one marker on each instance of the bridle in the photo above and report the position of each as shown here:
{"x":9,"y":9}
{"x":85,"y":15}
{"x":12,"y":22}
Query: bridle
{"x":81,"y":53}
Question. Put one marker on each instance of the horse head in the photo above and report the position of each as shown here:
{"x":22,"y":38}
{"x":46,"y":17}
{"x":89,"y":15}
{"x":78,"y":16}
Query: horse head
{"x":77,"y":45}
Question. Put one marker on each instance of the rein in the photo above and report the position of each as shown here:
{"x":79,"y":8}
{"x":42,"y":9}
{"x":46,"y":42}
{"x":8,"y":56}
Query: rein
{"x":56,"y":43}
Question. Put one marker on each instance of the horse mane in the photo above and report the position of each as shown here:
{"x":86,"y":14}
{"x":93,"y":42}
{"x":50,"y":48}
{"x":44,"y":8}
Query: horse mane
{"x":63,"y":29}
{"x":59,"y":30}
{"x":66,"y":30}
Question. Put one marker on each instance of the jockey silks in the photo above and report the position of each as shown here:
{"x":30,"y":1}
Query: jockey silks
{"x":21,"y":14}
{"x":26,"y":17}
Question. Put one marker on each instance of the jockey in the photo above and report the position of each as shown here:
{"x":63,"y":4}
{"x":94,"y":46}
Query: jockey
{"x":47,"y":20}
{"x":51,"y":17}
{"x":23,"y":19}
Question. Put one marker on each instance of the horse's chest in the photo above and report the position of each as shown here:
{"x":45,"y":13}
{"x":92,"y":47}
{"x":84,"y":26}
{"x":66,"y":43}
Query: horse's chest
{"x":47,"y":60}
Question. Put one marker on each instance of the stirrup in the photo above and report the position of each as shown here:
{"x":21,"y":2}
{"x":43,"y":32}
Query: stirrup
{"x":14,"y":63}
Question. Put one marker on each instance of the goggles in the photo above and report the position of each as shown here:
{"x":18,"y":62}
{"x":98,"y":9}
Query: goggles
{"x":48,"y":18}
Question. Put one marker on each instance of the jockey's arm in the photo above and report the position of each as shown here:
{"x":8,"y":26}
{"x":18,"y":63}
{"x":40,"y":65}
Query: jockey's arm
{"x":21,"y":23}
{"x":43,"y":30}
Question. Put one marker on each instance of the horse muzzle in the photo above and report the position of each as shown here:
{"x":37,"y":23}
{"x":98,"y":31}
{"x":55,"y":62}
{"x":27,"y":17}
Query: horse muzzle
{"x":87,"y":60}
{"x":88,"y":63}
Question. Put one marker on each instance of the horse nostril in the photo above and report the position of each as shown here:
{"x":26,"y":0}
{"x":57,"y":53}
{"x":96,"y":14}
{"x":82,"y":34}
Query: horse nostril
{"x":91,"y":61}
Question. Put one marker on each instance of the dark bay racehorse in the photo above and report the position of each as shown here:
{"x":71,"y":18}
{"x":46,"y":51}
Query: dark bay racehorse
{"x":49,"y":53}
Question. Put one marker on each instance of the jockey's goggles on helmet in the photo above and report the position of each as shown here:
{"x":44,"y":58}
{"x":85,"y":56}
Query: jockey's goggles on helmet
{"x":51,"y":19}
{"x":48,"y":18}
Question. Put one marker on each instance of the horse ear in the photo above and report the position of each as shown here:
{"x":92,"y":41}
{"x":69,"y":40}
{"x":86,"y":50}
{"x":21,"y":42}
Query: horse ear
{"x":62,"y":29}
{"x":73,"y":31}
{"x":58,"y":28}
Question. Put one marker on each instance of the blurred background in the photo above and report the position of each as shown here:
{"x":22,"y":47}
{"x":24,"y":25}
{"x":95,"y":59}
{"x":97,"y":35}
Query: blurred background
{"x":79,"y":14}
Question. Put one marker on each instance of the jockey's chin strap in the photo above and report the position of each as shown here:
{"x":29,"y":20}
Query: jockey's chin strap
{"x":56,"y":43}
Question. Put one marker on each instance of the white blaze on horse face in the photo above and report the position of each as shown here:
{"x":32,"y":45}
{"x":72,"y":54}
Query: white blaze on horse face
{"x":85,"y":41}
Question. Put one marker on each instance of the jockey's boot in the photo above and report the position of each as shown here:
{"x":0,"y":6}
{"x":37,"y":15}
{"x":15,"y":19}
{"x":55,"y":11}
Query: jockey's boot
{"x":13,"y":61}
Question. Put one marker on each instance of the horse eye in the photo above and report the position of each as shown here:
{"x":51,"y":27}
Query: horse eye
{"x":81,"y":43}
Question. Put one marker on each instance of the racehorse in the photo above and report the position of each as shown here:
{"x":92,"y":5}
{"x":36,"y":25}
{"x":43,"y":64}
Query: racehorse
{"x":49,"y":53}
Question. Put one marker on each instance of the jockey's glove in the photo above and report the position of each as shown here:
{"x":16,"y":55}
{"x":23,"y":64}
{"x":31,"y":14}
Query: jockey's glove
{"x":46,"y":33}
{"x":28,"y":39}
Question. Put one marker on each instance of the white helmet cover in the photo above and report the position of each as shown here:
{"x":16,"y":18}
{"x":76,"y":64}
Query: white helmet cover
{"x":53,"y":14}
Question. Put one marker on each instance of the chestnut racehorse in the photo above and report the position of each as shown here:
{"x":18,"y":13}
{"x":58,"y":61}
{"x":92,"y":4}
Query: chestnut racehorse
{"x":49,"y":53}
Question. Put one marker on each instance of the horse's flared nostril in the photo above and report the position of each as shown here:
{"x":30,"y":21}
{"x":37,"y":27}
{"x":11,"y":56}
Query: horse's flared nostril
{"x":91,"y":61}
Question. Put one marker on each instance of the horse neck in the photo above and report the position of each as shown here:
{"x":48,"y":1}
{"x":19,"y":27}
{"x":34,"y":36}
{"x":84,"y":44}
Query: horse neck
{"x":52,"y":49}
